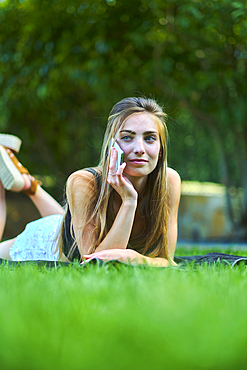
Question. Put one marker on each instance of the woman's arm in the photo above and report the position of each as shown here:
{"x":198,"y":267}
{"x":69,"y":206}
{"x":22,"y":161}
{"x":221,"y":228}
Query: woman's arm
{"x":174,"y":192}
{"x":135,"y":258}
{"x":79,"y":191}
{"x":119,"y":234}
{"x":128,"y":256}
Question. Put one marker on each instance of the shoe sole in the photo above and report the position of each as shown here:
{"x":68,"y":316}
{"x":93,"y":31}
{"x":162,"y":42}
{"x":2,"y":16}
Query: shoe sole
{"x":11,"y":142}
{"x":9,"y":174}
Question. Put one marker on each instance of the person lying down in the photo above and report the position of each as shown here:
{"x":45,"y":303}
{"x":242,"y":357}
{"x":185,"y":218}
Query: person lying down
{"x":124,"y":209}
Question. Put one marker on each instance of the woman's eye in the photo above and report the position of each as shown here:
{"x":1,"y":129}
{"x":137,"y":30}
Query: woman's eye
{"x":150,"y":138}
{"x":126,"y":138}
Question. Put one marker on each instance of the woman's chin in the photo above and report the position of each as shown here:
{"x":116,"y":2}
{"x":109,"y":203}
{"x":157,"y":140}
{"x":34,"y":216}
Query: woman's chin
{"x":138,"y":172}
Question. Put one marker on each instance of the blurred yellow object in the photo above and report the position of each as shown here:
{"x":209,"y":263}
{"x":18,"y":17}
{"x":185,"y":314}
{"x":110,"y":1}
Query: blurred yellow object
{"x":203,"y":213}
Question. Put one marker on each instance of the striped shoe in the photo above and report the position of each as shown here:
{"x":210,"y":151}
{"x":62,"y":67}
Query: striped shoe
{"x":10,"y":177}
{"x":24,"y":171}
{"x":11,"y":142}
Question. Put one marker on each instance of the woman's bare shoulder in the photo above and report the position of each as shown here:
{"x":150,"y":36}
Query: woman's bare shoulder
{"x":81,"y":179}
{"x":173,"y":177}
{"x":174,"y":185}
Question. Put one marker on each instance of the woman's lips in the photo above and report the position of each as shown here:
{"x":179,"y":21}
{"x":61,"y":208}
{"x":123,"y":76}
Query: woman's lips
{"x":138,"y":161}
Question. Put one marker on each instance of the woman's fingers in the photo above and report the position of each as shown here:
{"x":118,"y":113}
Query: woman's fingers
{"x":113,"y":161}
{"x":114,"y":175}
{"x":121,"y":168}
{"x":117,"y":180}
{"x":124,"y":255}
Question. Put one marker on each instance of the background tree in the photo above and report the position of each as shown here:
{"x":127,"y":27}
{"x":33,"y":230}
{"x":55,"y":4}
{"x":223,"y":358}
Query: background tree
{"x":64,"y":64}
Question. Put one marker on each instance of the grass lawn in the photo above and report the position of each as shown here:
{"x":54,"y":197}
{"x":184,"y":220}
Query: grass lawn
{"x":123,"y":317}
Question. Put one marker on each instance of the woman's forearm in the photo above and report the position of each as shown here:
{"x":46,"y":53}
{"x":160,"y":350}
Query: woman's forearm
{"x":129,"y":256}
{"x":157,"y":262}
{"x":140,"y":259}
{"x":119,"y":234}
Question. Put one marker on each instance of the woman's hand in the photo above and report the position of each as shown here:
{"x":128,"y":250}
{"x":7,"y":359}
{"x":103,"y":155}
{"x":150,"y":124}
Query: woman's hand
{"x":124,"y":255}
{"x":118,"y":181}
{"x":127,"y":256}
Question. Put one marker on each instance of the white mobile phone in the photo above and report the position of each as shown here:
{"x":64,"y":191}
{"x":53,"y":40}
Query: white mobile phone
{"x":119,"y":153}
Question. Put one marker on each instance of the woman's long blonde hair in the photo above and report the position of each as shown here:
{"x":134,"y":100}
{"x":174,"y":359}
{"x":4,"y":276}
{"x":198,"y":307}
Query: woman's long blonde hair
{"x":153,"y":204}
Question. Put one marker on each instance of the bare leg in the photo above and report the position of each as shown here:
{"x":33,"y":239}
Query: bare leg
{"x":5,"y":247}
{"x":13,"y":174}
{"x":2,"y":210}
{"x":45,"y":204}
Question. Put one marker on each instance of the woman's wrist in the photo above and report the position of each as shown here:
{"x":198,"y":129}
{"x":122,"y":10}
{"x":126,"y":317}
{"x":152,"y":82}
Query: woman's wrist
{"x":157,"y":262}
{"x":129,"y":202}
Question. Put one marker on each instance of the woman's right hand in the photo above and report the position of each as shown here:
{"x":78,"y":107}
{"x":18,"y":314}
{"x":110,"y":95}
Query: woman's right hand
{"x":118,"y":181}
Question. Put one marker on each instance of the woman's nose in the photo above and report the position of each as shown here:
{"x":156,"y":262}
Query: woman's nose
{"x":139,"y":147}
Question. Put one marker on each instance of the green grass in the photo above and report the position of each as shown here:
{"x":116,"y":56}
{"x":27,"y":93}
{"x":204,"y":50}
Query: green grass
{"x":123,"y":317}
{"x":196,"y":250}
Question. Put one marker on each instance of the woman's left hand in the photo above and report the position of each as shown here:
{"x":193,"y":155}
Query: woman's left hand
{"x":118,"y":181}
{"x":127,"y":256}
{"x":123,"y":255}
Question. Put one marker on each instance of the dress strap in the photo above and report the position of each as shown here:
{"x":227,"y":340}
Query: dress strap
{"x":96,"y":175}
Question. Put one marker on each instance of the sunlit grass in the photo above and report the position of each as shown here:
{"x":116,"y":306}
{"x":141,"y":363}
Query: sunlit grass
{"x":123,"y":317}
{"x":198,"y":250}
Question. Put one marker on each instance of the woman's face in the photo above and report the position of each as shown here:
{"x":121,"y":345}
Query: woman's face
{"x":139,"y":139}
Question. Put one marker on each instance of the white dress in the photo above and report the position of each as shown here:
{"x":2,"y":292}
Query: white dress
{"x":38,"y":241}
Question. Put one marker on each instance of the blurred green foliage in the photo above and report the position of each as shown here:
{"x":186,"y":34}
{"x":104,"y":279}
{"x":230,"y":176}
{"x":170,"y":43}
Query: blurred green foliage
{"x":63,"y":64}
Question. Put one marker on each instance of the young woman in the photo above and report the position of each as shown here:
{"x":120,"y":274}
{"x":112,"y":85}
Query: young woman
{"x":127,"y":213}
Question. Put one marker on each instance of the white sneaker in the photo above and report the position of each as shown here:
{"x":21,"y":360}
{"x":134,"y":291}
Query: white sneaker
{"x":10,"y":177}
{"x":11,"y":142}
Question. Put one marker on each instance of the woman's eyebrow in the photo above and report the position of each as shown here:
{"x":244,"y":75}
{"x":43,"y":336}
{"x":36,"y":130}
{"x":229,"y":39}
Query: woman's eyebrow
{"x":145,"y":133}
{"x":129,"y":131}
{"x":151,"y":132}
